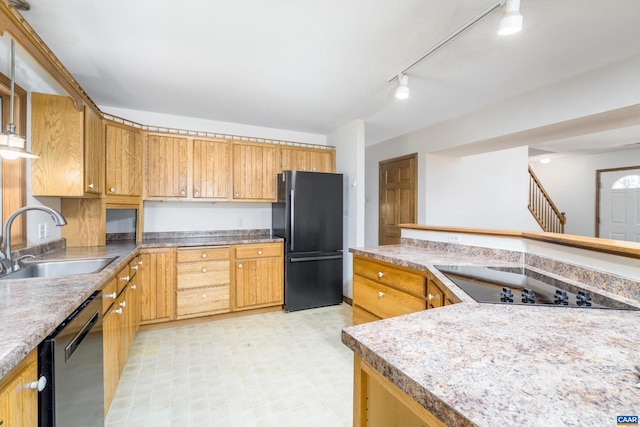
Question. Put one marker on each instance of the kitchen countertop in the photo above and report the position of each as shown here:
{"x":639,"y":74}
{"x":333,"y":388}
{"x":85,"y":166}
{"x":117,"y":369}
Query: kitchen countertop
{"x":30,"y":309}
{"x":492,"y":364}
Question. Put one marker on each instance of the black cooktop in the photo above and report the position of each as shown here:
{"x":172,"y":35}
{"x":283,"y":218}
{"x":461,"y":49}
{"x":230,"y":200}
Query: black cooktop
{"x":518,"y":285}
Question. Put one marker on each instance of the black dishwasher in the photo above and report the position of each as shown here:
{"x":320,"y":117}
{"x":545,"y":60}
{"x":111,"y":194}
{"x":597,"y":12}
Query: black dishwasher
{"x":72,"y":362}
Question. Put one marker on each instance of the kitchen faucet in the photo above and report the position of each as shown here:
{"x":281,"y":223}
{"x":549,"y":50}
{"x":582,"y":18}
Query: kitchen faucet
{"x":5,"y":258}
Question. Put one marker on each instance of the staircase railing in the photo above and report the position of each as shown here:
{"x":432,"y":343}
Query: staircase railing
{"x":542,"y":207}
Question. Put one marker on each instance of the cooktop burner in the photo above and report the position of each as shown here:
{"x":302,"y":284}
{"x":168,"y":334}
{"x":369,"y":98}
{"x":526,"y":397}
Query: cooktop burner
{"x":517,"y":285}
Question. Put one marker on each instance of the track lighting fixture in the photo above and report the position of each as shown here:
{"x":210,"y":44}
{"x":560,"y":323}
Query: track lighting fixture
{"x":12,"y":145}
{"x":402,"y":91}
{"x":511,"y":22}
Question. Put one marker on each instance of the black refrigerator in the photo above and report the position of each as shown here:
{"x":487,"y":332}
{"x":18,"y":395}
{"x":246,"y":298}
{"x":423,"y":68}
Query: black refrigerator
{"x":308,"y":215}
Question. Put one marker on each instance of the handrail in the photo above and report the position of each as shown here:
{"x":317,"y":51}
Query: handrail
{"x":542,"y":207}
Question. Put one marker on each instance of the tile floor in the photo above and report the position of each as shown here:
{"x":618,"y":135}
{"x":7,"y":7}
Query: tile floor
{"x":275,"y":369}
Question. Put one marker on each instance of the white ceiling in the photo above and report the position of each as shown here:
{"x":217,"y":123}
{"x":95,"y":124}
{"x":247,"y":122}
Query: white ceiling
{"x":313,"y":66}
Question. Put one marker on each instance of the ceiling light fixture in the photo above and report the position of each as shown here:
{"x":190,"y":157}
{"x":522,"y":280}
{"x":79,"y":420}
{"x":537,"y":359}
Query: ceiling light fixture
{"x":512,"y":8}
{"x":402,"y":91}
{"x":511,"y":22}
{"x":12,"y":145}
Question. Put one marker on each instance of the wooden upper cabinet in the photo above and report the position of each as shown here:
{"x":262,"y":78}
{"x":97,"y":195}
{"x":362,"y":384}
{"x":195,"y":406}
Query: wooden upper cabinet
{"x":254,"y":171}
{"x":307,"y":159}
{"x":70,"y":145}
{"x":94,"y":152}
{"x":166,"y":166}
{"x":124,"y":160}
{"x":211,"y":169}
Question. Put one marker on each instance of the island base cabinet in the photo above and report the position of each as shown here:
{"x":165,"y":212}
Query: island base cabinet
{"x":379,"y":403}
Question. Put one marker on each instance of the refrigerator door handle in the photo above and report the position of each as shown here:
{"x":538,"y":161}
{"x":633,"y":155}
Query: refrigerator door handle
{"x":292,"y":213}
{"x":316,"y":258}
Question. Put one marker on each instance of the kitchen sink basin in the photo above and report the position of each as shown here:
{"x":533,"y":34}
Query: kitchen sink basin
{"x":68,"y":267}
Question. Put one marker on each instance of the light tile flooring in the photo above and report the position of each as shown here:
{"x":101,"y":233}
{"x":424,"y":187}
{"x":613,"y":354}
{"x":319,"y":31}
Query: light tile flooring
{"x":275,"y":369}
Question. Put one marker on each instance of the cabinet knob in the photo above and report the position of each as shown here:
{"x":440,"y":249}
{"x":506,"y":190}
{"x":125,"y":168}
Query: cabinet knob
{"x":204,"y":255}
{"x":183,"y":193}
{"x":37,"y":385}
{"x":259,"y":252}
{"x":134,"y":267}
{"x":117,"y":311}
{"x":140,"y":262}
{"x":204,"y":296}
{"x":314,"y":169}
{"x":380,"y":294}
{"x":90,"y":186}
{"x":112,"y":189}
{"x":380,"y":274}
{"x":134,"y":287}
{"x":304,"y":169}
{"x":196,"y":193}
{"x":204,"y":270}
{"x":123,"y":304}
{"x":431,"y":297}
{"x":112,"y":295}
{"x":237,"y":195}
{"x":124,"y":278}
{"x":239,"y":265}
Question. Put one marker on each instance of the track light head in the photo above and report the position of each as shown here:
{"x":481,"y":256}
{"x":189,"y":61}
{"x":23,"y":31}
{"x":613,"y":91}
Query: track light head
{"x":402,"y":91}
{"x":511,"y":22}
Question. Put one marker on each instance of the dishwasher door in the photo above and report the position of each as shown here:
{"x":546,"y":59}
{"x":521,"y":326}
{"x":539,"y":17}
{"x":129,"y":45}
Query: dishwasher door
{"x":71,"y":359}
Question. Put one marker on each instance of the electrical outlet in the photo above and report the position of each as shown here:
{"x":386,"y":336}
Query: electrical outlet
{"x":40,"y":231}
{"x":454,"y":238}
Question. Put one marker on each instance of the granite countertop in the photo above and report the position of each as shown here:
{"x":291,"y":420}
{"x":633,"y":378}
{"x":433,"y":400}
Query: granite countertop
{"x":30,"y":309}
{"x":490,"y":364}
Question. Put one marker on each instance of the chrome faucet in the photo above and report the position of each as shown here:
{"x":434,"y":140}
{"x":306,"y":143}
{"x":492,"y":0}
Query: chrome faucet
{"x":5,"y":258}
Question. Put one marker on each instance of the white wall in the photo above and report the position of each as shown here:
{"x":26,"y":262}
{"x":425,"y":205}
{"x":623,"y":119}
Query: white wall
{"x":571,"y":184}
{"x":349,"y":143}
{"x":483,"y":191}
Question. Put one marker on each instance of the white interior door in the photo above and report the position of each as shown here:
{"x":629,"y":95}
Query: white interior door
{"x":620,"y":205}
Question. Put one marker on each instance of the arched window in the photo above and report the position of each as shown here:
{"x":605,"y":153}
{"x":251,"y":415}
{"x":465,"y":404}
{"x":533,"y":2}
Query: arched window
{"x":627,"y":182}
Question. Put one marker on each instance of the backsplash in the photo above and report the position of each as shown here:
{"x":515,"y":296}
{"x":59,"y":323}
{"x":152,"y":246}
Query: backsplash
{"x":39,"y":249}
{"x":255,"y":233}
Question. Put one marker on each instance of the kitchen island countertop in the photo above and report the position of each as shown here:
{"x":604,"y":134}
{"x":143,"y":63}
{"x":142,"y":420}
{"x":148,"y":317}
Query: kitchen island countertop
{"x":491,"y":364}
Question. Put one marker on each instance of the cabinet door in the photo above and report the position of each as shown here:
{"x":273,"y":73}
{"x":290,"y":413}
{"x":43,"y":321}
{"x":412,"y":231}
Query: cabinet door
{"x":322,"y":160}
{"x":94,"y":152}
{"x":157,"y":285}
{"x":57,"y":137}
{"x":211,"y":169}
{"x":124,"y":161}
{"x":18,"y":401}
{"x":111,"y":353}
{"x":258,"y":282}
{"x":254,"y":172}
{"x":167,"y":164}
{"x":294,"y":159}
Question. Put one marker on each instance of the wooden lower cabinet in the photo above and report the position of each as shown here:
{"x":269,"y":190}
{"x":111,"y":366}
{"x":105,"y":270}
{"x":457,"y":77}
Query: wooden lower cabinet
{"x":377,"y":402}
{"x":203,"y":281}
{"x":258,"y":276}
{"x":157,"y":285}
{"x":18,"y":399}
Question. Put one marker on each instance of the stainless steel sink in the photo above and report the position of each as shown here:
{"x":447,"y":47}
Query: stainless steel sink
{"x":70,"y":267}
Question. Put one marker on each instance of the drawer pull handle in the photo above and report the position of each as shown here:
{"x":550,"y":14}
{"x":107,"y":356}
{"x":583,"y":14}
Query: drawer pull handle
{"x":259,"y":252}
{"x":204,"y":255}
{"x":380,"y":294}
{"x":204,"y":270}
{"x":432,"y":297}
{"x":124,"y":278}
{"x":239,"y":265}
{"x":38,"y":385}
{"x":117,"y":311}
{"x":112,"y":295}
{"x":134,"y":287}
{"x":123,"y":304}
{"x":139,"y":262}
{"x":380,"y":274}
{"x":134,"y":267}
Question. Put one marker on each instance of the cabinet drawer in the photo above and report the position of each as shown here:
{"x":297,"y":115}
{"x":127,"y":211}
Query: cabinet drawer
{"x":203,"y":254}
{"x":203,"y":300}
{"x":122,"y":278}
{"x":391,"y":276}
{"x":361,"y":316}
{"x":382,"y":300}
{"x":203,"y":274}
{"x":109,"y":294}
{"x":258,"y":251}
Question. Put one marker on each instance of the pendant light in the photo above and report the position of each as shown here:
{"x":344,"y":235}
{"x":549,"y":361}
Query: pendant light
{"x":402,"y":91}
{"x":12,"y":145}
